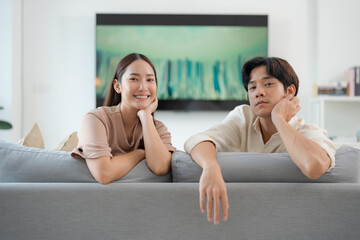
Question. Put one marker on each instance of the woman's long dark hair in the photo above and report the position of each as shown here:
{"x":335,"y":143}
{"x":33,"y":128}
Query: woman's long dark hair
{"x":113,"y":98}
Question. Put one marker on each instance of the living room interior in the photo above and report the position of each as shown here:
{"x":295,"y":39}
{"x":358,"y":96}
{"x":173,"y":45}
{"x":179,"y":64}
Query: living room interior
{"x":48,"y":69}
{"x":48,"y":58}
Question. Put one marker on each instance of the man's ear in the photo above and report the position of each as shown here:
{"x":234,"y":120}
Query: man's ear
{"x":117,"y":86}
{"x":291,"y":90}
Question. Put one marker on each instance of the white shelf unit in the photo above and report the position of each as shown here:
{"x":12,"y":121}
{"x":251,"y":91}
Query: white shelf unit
{"x":339,"y":115}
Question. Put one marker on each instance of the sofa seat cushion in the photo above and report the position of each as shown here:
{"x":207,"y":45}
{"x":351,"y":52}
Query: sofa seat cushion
{"x":26,"y":164}
{"x":268,"y":167}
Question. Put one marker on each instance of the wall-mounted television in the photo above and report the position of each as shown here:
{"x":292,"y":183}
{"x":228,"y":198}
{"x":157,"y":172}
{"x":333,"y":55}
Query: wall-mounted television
{"x":198,"y":58}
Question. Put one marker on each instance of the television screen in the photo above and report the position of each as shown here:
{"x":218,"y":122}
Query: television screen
{"x":198,"y":58}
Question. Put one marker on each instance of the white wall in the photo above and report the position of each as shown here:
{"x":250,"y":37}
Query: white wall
{"x":338,"y":42}
{"x":5,"y":65}
{"x":17,"y":73}
{"x":59,"y":55}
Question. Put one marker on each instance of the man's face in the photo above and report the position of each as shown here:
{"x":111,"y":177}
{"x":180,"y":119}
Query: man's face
{"x":264,"y":92}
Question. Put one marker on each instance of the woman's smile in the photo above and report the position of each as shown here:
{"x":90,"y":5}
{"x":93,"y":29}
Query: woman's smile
{"x":142,"y":97}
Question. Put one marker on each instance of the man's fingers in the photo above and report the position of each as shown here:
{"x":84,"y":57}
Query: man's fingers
{"x":202,"y":200}
{"x":209,"y":205}
{"x":216,"y":197}
{"x":225,"y":205}
{"x":295,"y":100}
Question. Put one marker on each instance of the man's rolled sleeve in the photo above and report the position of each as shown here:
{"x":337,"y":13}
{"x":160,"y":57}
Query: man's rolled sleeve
{"x":196,"y":139}
{"x":329,"y":148}
{"x":319,"y":136}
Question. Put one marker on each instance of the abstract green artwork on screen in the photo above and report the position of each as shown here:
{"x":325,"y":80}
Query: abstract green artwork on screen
{"x":192,"y":62}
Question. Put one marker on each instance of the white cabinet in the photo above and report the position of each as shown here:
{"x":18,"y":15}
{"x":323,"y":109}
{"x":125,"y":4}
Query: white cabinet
{"x":340,"y":116}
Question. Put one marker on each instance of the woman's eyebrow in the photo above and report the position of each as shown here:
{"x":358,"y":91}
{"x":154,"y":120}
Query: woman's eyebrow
{"x":137,"y":74}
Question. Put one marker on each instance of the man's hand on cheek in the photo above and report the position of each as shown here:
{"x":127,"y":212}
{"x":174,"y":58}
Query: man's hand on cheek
{"x":286,"y":108}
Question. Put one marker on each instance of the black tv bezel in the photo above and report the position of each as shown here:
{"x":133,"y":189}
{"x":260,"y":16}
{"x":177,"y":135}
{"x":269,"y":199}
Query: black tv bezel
{"x":186,"y":20}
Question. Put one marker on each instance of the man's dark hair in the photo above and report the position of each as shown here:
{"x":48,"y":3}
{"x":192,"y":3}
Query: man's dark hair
{"x":275,"y":67}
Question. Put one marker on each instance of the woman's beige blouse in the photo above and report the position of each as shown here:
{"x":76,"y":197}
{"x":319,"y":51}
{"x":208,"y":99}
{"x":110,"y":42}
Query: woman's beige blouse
{"x":102,"y":134}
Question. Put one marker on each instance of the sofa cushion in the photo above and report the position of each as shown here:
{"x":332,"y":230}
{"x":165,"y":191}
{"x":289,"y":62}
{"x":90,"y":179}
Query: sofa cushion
{"x":33,"y":138}
{"x":26,"y":164}
{"x":268,"y":167}
{"x":68,"y":143}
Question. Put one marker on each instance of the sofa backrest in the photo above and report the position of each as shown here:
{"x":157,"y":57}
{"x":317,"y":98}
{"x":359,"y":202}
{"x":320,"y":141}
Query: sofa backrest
{"x":268,"y":167}
{"x":26,"y":164}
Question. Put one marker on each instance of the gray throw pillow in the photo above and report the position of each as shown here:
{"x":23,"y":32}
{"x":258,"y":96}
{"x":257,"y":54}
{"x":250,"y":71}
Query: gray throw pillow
{"x":268,"y":167}
{"x":26,"y":164}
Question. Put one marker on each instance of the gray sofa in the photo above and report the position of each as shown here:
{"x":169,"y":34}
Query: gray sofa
{"x":47,"y":194}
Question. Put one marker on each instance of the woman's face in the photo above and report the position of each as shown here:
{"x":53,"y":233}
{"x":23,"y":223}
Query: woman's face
{"x":138,"y":86}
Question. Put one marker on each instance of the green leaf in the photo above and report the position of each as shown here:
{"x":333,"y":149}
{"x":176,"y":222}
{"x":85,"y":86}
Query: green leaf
{"x":5,"y":125}
{"x":1,"y":107}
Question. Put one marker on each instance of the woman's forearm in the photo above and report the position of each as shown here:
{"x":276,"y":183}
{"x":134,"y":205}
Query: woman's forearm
{"x":106,"y":169}
{"x":157,"y":155}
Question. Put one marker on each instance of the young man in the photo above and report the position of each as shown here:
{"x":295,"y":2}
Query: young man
{"x":268,"y":125}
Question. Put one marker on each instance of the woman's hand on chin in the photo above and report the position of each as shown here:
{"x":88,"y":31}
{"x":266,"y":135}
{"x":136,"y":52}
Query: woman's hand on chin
{"x":149,"y":109}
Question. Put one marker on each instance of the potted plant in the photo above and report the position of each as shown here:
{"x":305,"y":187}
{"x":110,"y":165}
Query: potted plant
{"x":4,"y":124}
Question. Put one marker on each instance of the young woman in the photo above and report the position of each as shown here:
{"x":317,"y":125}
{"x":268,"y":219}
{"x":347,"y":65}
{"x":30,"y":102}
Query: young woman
{"x":116,"y":137}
